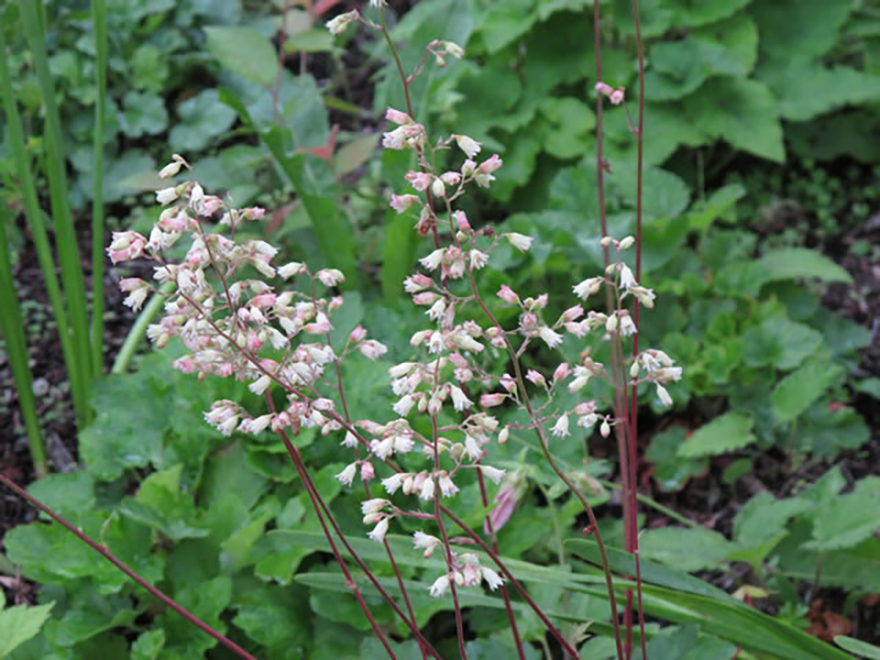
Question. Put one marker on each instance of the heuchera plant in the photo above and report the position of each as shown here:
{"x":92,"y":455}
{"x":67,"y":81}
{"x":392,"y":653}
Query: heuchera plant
{"x":244,"y":313}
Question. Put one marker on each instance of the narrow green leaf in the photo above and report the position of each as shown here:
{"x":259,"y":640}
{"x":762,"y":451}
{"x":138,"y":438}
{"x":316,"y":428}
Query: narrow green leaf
{"x":858,"y":647}
{"x":802,"y":388}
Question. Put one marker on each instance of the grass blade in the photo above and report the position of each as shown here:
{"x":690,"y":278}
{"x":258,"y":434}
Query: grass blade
{"x":16,"y":351}
{"x":99,"y":23}
{"x":62,"y":218}
{"x":38,"y":228}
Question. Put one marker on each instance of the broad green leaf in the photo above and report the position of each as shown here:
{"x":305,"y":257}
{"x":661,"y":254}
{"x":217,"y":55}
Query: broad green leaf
{"x":89,"y":614}
{"x":740,"y":111}
{"x":148,"y":645}
{"x":737,"y":35}
{"x":149,"y":68}
{"x":686,"y":13}
{"x":858,"y":647}
{"x":730,"y":432}
{"x":780,"y":342}
{"x":825,"y":432}
{"x":802,"y":388}
{"x":207,"y":601}
{"x":671,"y":471}
{"x":801,"y":87}
{"x":311,"y":41}
{"x":718,"y":204}
{"x":666,"y":128}
{"x":664,"y":194}
{"x":791,"y":263}
{"x":505,"y":22}
{"x":202,"y":119}
{"x":687,"y":549}
{"x":686,"y":644}
{"x":19,"y":624}
{"x":763,"y":517}
{"x":161,"y":504}
{"x":566,"y":132}
{"x":799,"y":29}
{"x":839,"y":134}
{"x":869,"y":386}
{"x":144,"y":114}
{"x":845,"y":522}
{"x":245,"y":52}
{"x":71,"y":494}
{"x":276,"y":618}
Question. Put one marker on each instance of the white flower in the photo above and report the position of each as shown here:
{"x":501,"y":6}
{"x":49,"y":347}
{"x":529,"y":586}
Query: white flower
{"x":257,"y":425}
{"x":393,"y":483}
{"x":427,"y":489}
{"x":350,"y":440}
{"x":665,"y":399}
{"x":260,"y":385}
{"x":493,"y":580}
{"x":441,"y":584}
{"x":472,"y":448}
{"x":404,"y":405}
{"x":374,"y":505}
{"x":560,"y":429}
{"x":379,"y":531}
{"x":588,"y":287}
{"x":627,"y":327}
{"x":347,"y":475}
{"x":426,"y":542}
{"x":382,"y":449}
{"x":520,"y":242}
{"x":492,"y":473}
{"x":477,"y":259}
{"x":626,"y":277}
{"x":289,"y":270}
{"x":432,"y":261}
{"x":171,"y":169}
{"x":468,"y":145}
{"x":338,"y":24}
{"x":447,"y":487}
{"x":459,"y":399}
{"x":166,"y":195}
{"x":550,"y":337}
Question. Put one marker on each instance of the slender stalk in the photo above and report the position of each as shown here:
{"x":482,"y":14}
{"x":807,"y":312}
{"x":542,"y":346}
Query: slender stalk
{"x":507,"y":606}
{"x":99,"y":21}
{"x":38,"y":230}
{"x":109,"y":556}
{"x":139,"y":329}
{"x":62,"y":219}
{"x":634,"y":414}
{"x":16,"y":350}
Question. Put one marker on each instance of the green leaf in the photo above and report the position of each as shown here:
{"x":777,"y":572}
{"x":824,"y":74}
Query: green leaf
{"x":71,"y":494}
{"x":678,"y":68}
{"x":827,"y":432}
{"x":207,"y":601}
{"x":144,"y":114}
{"x":670,"y":471}
{"x":802,"y":388}
{"x":869,"y":386}
{"x":799,"y":29}
{"x":730,"y":432}
{"x":780,"y":342}
{"x":162,"y":505}
{"x":687,"y":644}
{"x":19,"y":624}
{"x":311,"y":41}
{"x":566,"y":134}
{"x":203,"y":118}
{"x":688,"y":549}
{"x":858,"y":647}
{"x":277,"y":619}
{"x":686,"y":13}
{"x":149,"y":68}
{"x":245,"y":52}
{"x":664,"y":194}
{"x":718,"y":204}
{"x":763,"y":517}
{"x":801,"y":87}
{"x":791,"y":263}
{"x":148,"y":645}
{"x":89,"y":614}
{"x":505,"y":22}
{"x":737,"y":35}
{"x":740,"y":111}
{"x":845,"y":522}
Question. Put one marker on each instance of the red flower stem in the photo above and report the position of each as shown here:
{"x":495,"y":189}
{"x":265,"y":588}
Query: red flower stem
{"x":459,"y":626}
{"x":507,"y":606}
{"x":109,"y":556}
{"x":634,"y":421}
{"x":349,"y":580}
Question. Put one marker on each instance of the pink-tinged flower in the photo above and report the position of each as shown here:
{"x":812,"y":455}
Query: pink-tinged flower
{"x":461,"y":221}
{"x":477,"y":259}
{"x":340,"y":23}
{"x":450,"y":178}
{"x":616,"y":97}
{"x":572,"y":313}
{"x":255,"y":213}
{"x":605,"y":428}
{"x":468,"y":145}
{"x":330,"y":276}
{"x":491,"y":165}
{"x":468,"y":168}
{"x":174,"y":219}
{"x":397,"y":116}
{"x":603,"y":89}
{"x":663,"y":395}
{"x":419,"y":180}
{"x":367,"y":471}
{"x":401,"y":203}
{"x":357,"y":335}
{"x":492,"y":400}
{"x":535,"y":377}
{"x":372,"y":349}
{"x":508,"y":295}
{"x":425,"y":298}
{"x":126,"y":245}
{"x":504,"y":435}
{"x":417,"y":282}
{"x":508,"y":383}
{"x":562,"y":372}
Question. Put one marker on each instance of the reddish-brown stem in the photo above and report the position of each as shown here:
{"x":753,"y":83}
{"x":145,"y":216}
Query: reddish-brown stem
{"x":109,"y":556}
{"x":507,"y":606}
{"x":634,"y":414}
{"x":459,"y":626}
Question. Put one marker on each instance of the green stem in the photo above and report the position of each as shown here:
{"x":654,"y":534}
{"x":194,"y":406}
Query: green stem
{"x":68,"y":252}
{"x":16,"y":350}
{"x":139,"y":329}
{"x":99,"y":19}
{"x":38,"y":229}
